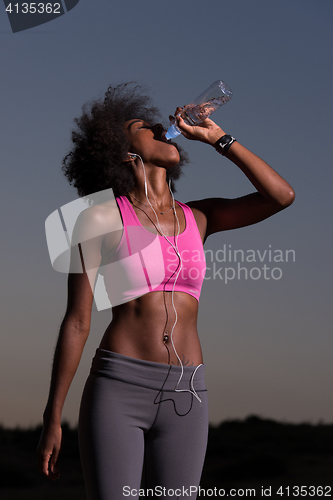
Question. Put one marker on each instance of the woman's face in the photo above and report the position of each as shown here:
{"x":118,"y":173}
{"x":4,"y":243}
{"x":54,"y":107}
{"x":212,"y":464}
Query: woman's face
{"x":150,"y":143}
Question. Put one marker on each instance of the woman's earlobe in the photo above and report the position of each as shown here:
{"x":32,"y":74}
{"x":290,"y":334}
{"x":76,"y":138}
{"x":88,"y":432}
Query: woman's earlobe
{"x":130,"y":157}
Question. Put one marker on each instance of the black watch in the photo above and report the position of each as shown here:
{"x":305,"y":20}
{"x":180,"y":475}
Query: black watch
{"x":224,"y":143}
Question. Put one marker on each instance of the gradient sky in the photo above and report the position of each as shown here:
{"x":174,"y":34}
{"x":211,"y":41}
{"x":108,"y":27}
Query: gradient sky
{"x":267,"y":343}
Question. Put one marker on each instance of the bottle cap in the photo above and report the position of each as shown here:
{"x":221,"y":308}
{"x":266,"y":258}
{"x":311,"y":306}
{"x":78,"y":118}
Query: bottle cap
{"x":173,"y":131}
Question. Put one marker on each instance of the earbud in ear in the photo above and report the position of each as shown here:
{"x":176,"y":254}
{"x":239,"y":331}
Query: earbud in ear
{"x":130,"y":157}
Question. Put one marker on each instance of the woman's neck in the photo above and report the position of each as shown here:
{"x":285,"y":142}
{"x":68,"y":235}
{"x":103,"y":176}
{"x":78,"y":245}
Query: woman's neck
{"x":158,"y":190}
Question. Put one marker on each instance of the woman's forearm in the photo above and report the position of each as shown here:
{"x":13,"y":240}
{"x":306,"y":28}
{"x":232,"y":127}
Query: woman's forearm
{"x":263,"y":177}
{"x":71,"y":341}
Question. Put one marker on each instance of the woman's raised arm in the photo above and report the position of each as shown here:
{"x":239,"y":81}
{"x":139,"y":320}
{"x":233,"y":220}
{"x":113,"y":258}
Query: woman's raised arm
{"x":273,"y":192}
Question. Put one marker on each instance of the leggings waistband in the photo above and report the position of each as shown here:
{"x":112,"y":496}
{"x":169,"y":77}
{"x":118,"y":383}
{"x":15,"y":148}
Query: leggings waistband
{"x":148,"y":374}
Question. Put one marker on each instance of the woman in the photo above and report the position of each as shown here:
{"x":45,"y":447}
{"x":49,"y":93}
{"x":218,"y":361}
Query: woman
{"x":144,"y":407}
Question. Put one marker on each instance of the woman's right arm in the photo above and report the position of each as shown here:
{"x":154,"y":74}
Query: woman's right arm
{"x":73,"y":334}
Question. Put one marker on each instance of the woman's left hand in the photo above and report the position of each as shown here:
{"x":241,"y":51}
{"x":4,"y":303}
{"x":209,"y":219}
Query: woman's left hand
{"x":207,"y":131}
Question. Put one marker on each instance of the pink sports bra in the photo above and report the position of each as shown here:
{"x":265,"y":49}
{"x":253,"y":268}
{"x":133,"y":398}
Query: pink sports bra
{"x":146,"y":262}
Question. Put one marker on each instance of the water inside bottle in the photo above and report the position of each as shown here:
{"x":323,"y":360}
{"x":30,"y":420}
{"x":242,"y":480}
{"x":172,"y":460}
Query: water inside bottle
{"x":195,"y":114}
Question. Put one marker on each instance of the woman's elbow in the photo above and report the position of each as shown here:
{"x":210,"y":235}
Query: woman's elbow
{"x":288,"y":197}
{"x":78,"y":325}
{"x":284,"y":198}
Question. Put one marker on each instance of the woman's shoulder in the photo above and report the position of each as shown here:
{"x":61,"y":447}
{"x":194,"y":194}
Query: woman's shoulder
{"x":96,"y":221}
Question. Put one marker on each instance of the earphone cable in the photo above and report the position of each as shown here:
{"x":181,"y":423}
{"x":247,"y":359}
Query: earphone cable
{"x":175,"y":247}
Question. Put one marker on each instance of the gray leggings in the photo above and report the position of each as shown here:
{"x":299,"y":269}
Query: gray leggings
{"x":135,"y":429}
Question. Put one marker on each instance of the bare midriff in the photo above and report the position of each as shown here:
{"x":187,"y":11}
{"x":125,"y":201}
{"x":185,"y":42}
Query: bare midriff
{"x":142,"y":329}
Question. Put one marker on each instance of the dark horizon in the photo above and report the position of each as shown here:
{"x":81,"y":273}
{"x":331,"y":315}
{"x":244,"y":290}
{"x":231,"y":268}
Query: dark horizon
{"x":253,"y":453}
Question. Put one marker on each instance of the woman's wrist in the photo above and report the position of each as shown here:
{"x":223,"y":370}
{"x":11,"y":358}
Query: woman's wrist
{"x":51,"y":423}
{"x":214,"y":136}
{"x":51,"y":417}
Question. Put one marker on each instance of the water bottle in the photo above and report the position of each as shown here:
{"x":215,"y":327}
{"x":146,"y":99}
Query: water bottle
{"x":202,"y":107}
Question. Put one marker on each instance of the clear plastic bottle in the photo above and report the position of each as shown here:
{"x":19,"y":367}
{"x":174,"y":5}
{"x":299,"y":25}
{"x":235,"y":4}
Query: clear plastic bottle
{"x":203,"y":106}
